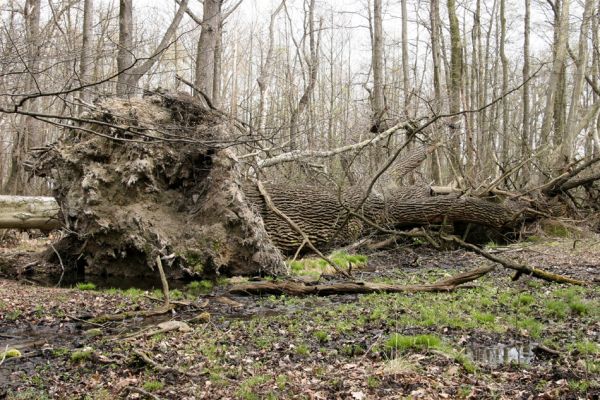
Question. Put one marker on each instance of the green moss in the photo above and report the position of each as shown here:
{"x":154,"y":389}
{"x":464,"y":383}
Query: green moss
{"x":82,"y":355}
{"x":10,"y":353}
{"x":197,"y":288}
{"x":195,"y":261}
{"x":525,"y":299}
{"x":557,"y":308}
{"x":321,"y":336}
{"x":85,"y":286}
{"x":587,"y":347}
{"x":533,"y":327}
{"x":153,"y":386}
{"x":317,"y":266}
{"x":579,"y":307}
{"x":93,"y":332}
{"x":418,"y":342}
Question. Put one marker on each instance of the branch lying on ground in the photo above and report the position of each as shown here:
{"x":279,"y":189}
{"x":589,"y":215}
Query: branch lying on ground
{"x":507,"y":263}
{"x":301,"y":289}
{"x":160,"y":368}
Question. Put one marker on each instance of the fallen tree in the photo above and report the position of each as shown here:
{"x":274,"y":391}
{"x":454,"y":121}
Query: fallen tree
{"x":156,"y":177}
{"x":29,"y":212}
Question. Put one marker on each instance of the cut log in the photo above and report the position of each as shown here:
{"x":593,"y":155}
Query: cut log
{"x":302,"y":289}
{"x":29,"y":212}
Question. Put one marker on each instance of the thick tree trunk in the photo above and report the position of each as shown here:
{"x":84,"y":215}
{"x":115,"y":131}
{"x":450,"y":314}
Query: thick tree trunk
{"x":28,"y":212}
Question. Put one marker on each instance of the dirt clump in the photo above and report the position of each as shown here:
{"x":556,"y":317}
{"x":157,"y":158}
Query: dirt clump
{"x":155,"y":178}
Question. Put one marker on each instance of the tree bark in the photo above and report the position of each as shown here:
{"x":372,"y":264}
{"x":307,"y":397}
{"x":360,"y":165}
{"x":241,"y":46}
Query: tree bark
{"x":124,"y":54}
{"x":572,"y":131}
{"x":560,"y":51}
{"x":455,"y":85}
{"x":525,"y":132}
{"x":28,"y":212}
{"x":301,"y":289}
{"x":86,"y":60}
{"x":378,"y":102}
{"x":207,"y":47}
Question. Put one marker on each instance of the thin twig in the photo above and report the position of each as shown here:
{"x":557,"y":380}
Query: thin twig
{"x":62,"y":266}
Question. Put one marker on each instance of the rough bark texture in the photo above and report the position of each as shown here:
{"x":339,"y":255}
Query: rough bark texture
{"x":302,"y":289}
{"x":321,"y":212}
{"x":127,"y":202}
{"x":28,"y":212}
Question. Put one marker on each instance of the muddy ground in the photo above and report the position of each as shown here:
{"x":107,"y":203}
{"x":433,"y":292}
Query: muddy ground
{"x":497,"y":339}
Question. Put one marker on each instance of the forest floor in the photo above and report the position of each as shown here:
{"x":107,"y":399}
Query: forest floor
{"x":497,"y":338}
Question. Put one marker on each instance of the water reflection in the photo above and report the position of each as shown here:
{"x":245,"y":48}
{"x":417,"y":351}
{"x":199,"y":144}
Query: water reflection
{"x":500,"y":354}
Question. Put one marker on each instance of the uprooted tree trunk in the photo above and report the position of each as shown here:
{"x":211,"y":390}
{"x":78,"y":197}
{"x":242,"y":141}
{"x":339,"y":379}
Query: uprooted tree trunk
{"x":28,"y":212}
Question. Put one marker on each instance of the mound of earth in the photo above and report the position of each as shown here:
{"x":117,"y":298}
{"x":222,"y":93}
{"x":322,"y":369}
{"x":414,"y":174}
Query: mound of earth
{"x":154,"y":177}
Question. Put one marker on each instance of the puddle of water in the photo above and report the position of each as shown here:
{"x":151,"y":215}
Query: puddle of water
{"x":501,"y":354}
{"x":103,"y":282}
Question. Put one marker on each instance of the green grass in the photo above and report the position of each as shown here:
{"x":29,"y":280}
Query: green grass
{"x":81,"y":355}
{"x":317,"y":266}
{"x":418,"y":342}
{"x":557,"y":308}
{"x":153,"y":386}
{"x":197,"y":288}
{"x":246,"y":390}
{"x":85,"y":286}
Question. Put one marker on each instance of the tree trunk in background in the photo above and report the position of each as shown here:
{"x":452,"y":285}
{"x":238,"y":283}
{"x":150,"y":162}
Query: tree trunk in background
{"x":434,"y":15}
{"x":207,"y":47}
{"x":569,"y":140}
{"x":86,"y":61}
{"x":136,"y":73}
{"x":125,"y":55}
{"x":264,"y":79}
{"x":28,"y":127}
{"x":312,"y":64}
{"x":377,"y":65}
{"x":405,"y":76}
{"x":595,"y":129}
{"x":557,"y":75}
{"x":504,"y":61}
{"x":455,"y":85}
{"x":525,"y":151}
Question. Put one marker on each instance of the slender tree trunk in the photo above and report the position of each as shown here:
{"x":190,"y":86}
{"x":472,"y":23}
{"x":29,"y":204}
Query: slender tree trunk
{"x":434,"y":15}
{"x":525,"y":99}
{"x":504,"y":62}
{"x":377,"y":64}
{"x":455,"y":84}
{"x":264,"y":78}
{"x":86,"y":61}
{"x":557,"y":75}
{"x":124,"y":54}
{"x":567,"y":146}
{"x":29,"y":127}
{"x":405,"y":62}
